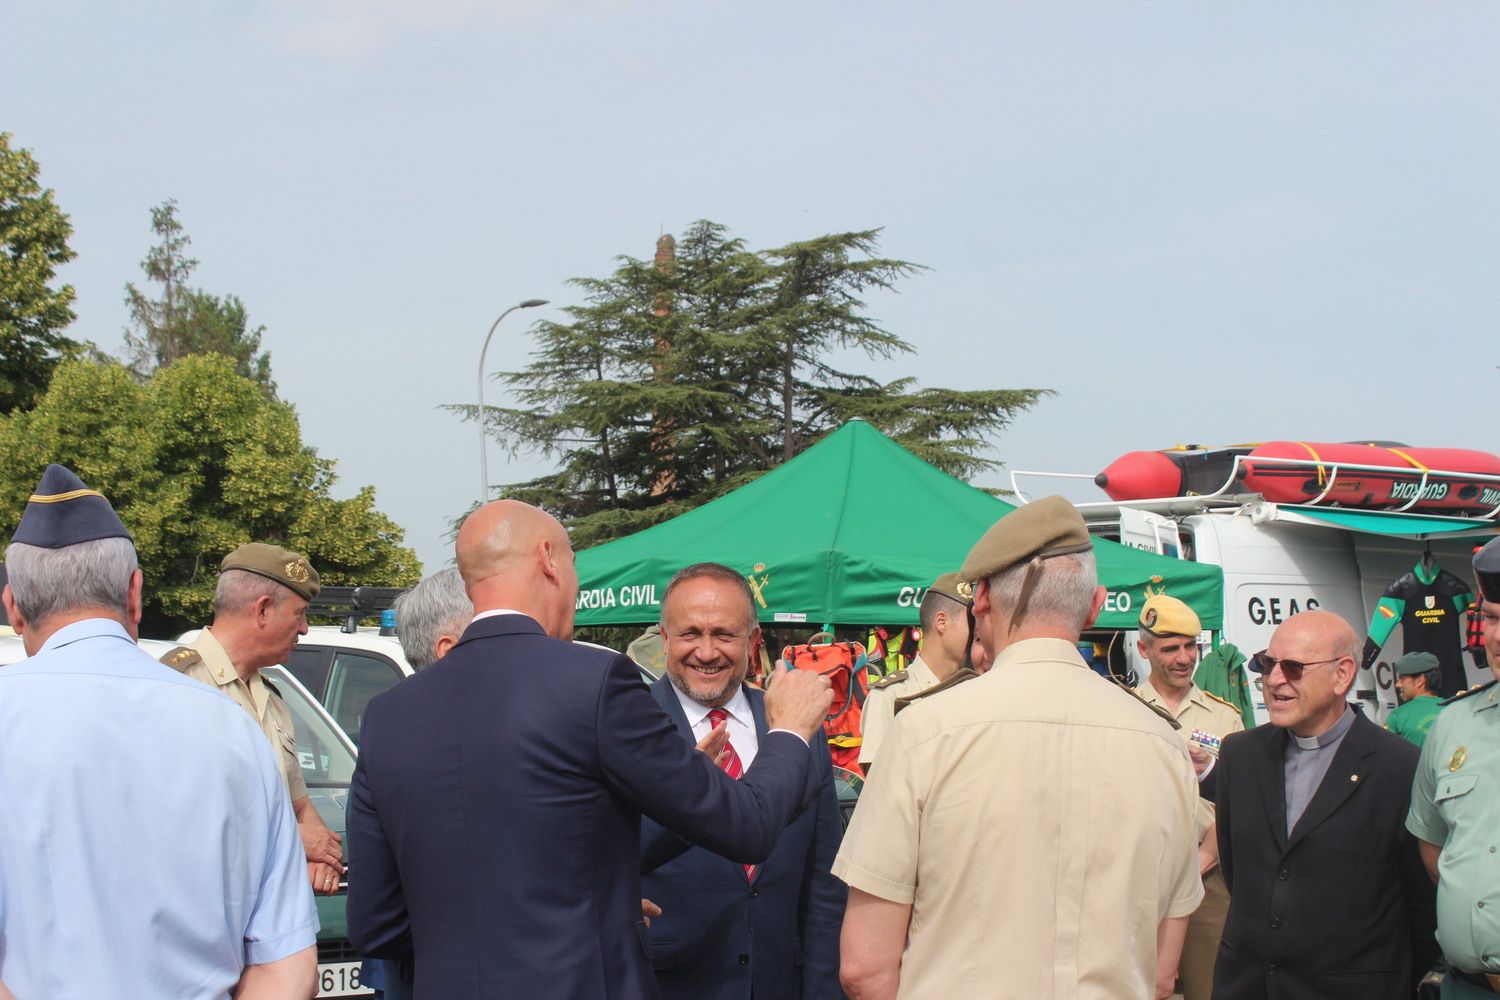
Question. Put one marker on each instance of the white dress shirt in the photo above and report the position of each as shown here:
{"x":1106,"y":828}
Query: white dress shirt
{"x":741,"y":723}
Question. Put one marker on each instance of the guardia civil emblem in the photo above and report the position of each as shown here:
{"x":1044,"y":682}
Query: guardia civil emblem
{"x":1457,"y":760}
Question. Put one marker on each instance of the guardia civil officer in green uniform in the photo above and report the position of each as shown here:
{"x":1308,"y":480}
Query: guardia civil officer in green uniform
{"x":1418,"y":676}
{"x":260,"y":608}
{"x":1455,"y":813}
{"x":944,"y":619}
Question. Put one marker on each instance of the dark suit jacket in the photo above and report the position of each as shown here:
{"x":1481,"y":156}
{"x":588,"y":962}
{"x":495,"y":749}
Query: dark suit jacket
{"x":494,"y":817}
{"x":719,"y":937}
{"x":1339,"y":910}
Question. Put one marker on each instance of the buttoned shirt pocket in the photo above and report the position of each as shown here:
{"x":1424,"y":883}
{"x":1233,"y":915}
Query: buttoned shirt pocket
{"x":1454,"y":796}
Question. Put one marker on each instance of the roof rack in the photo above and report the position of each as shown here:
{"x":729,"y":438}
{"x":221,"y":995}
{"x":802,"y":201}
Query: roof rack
{"x":356,"y":603}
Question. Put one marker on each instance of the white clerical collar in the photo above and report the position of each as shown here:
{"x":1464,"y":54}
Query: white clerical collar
{"x":1332,"y":734}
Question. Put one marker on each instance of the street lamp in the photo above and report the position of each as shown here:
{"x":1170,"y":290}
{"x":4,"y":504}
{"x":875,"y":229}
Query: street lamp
{"x":484,"y":471}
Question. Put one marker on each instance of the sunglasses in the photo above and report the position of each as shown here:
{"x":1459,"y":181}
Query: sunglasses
{"x":1263,"y":663}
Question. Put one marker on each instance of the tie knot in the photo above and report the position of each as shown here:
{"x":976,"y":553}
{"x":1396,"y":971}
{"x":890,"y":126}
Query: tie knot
{"x":716,"y":716}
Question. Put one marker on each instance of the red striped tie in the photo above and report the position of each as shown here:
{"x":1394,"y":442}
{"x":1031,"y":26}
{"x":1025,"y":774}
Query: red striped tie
{"x":732,"y":765}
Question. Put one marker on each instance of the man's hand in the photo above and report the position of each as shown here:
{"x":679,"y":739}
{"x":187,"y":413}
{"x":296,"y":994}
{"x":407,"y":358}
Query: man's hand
{"x":716,"y":745}
{"x":322,"y":845}
{"x":324,"y":878}
{"x":797,"y":700}
{"x":1201,"y":758}
{"x":649,"y":910}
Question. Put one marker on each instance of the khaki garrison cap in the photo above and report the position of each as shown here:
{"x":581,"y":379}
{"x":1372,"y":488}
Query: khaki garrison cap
{"x":286,"y":567}
{"x":1030,"y":534}
{"x":1164,"y":615}
{"x":950,"y":586}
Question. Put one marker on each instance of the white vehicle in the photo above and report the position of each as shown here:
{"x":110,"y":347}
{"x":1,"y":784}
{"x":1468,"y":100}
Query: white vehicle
{"x":1280,"y":559}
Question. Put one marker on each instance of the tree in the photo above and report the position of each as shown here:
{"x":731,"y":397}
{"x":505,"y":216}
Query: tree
{"x":187,"y":320}
{"x":33,"y":244}
{"x":197,"y":459}
{"x":684,"y":377}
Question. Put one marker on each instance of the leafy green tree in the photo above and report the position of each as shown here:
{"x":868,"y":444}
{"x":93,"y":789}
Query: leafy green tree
{"x":682,"y":378}
{"x":33,"y":244}
{"x":197,"y":459}
{"x":184,"y":320}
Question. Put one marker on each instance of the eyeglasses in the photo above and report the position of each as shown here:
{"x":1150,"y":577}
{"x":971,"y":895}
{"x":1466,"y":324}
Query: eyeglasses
{"x":1263,"y":663}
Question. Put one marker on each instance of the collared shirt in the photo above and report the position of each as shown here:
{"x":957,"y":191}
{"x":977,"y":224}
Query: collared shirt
{"x":265,"y":707}
{"x":1198,"y":710}
{"x":880,"y":704}
{"x":147,"y":847}
{"x":1307,"y":761}
{"x":1040,"y":823}
{"x":740,"y":722}
{"x":1454,"y":805}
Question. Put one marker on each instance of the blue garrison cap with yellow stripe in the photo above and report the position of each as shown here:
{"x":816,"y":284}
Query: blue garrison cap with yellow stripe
{"x":63,"y":511}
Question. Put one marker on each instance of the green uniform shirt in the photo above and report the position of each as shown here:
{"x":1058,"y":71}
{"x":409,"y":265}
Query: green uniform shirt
{"x":1454,"y":805}
{"x":1412,"y":720}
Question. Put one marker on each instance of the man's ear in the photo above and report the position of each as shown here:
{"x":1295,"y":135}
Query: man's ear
{"x":546,"y":560}
{"x":444,"y":643}
{"x":134,"y":593}
{"x":17,"y":620}
{"x":264,"y":605}
{"x":1098,"y":605}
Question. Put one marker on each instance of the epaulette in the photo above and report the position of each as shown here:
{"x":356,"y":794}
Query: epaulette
{"x":888,"y":680}
{"x":181,"y":658}
{"x":1222,"y":701}
{"x":963,"y":674}
{"x":1165,"y":715}
{"x":1473,"y":690}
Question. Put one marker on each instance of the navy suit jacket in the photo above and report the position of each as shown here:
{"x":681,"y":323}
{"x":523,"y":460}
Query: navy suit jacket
{"x":494,"y":817}
{"x":720,"y":937}
{"x":1340,"y":909}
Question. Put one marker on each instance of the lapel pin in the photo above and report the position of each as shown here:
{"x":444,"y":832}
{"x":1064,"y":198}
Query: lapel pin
{"x":1353,"y":777}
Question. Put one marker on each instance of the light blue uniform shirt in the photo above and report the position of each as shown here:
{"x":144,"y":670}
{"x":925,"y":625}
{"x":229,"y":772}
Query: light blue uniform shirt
{"x":147,"y":843}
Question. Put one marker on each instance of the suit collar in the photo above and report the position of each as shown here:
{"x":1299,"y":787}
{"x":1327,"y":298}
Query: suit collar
{"x":488,"y":628}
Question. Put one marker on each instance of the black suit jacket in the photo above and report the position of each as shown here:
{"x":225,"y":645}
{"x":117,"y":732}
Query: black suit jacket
{"x":1341,"y":909}
{"x":494,"y":817}
{"x":720,"y":937}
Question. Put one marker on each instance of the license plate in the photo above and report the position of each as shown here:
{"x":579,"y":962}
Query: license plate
{"x":341,"y":979}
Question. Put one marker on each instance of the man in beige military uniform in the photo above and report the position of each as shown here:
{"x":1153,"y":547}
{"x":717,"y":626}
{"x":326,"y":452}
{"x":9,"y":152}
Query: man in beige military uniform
{"x":1169,"y":642}
{"x":260,"y":608}
{"x":1029,"y":832}
{"x":944,"y":619}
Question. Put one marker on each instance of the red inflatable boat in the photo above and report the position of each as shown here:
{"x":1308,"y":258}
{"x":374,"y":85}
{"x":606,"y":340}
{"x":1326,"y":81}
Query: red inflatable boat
{"x":1380,"y":476}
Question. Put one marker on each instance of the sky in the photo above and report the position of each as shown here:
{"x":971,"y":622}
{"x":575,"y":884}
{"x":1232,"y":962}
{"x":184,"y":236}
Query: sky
{"x":1198,"y":223}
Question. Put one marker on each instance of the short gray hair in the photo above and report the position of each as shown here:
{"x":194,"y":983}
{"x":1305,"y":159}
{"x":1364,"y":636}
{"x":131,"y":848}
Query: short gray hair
{"x":1063,"y":595}
{"x":239,"y":589}
{"x":93,"y":574}
{"x":437,"y":606}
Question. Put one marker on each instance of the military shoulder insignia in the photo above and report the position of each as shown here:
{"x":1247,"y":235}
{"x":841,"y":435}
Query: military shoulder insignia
{"x":963,"y":674}
{"x":1473,"y":690}
{"x":181,"y":658}
{"x":1161,"y":712}
{"x":889,"y":679}
{"x":1221,"y":701}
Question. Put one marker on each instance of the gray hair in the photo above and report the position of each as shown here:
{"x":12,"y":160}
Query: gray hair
{"x":239,"y":589}
{"x":1062,"y":597}
{"x":93,"y":574}
{"x":437,"y":606}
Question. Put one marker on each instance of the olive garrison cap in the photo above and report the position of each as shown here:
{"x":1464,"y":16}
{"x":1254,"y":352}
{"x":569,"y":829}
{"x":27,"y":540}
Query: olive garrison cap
{"x":1164,"y":615}
{"x":63,"y":511}
{"x":286,"y":567}
{"x":1487,"y":570}
{"x":1041,"y":529}
{"x":1416,"y":663}
{"x":950,"y":586}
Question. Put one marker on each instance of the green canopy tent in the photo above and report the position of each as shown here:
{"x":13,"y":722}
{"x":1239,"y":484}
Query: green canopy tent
{"x":850,"y":532}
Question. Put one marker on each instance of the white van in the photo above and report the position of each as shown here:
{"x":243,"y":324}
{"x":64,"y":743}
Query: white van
{"x":1279,"y":559}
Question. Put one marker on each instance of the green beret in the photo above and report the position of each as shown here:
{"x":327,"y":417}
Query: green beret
{"x":288,"y":568}
{"x":1041,"y":529}
{"x":1416,"y":663}
{"x":950,"y":586}
{"x":1164,"y":615}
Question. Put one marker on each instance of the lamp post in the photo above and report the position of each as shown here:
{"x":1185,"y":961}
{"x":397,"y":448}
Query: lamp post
{"x":484,"y":471}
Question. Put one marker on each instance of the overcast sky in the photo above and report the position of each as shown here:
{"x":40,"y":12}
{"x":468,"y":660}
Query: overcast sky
{"x":1198,"y":222}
